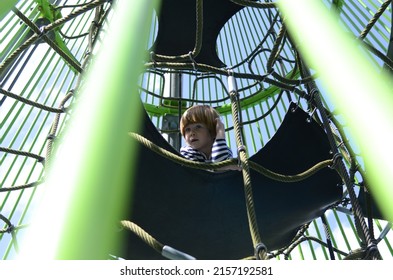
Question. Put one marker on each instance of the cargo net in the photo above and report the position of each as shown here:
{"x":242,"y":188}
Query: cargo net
{"x":59,"y":41}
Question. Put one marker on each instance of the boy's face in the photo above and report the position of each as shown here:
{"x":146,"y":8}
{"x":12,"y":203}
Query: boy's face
{"x":198,"y":137}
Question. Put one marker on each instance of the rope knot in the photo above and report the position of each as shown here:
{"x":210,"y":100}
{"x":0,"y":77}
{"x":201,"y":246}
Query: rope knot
{"x":335,"y":159}
{"x":10,"y":228}
{"x":233,"y":95}
{"x":153,"y":58}
{"x":41,"y":160}
{"x":96,"y":24}
{"x":42,"y":32}
{"x":192,"y":61}
{"x":259,"y":249}
{"x":51,"y":136}
{"x":371,"y":250}
{"x":241,"y":148}
{"x":313,"y":93}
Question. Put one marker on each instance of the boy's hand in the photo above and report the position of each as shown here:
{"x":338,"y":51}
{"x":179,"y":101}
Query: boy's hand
{"x":220,"y":129}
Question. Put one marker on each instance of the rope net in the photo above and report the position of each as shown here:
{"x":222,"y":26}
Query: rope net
{"x":47,"y":47}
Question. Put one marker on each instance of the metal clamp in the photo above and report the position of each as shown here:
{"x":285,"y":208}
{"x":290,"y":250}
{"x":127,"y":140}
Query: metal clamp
{"x":336,"y":158}
{"x":260,"y":247}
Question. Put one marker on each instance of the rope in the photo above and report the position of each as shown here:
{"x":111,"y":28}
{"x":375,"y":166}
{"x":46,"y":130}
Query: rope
{"x":86,"y":60}
{"x":10,"y":226}
{"x":147,"y":238}
{"x":375,"y":18}
{"x":260,"y":251}
{"x":359,"y":218}
{"x":53,"y":131}
{"x":41,"y":34}
{"x":49,"y":27}
{"x":209,"y":68}
{"x":281,"y":82}
{"x":59,"y":111}
{"x":178,"y":159}
{"x":291,"y":178}
{"x":388,"y":62}
{"x":300,"y":238}
{"x":30,"y":102}
{"x":264,"y":5}
{"x":274,"y":56}
{"x":198,"y":40}
{"x":21,"y":187}
{"x":315,"y":239}
{"x":22,"y":153}
{"x":367,"y":29}
{"x":328,"y":237}
{"x":217,"y":165}
{"x":340,"y":167}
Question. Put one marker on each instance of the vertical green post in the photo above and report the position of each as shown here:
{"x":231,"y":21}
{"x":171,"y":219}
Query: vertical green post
{"x":89,"y":176}
{"x":6,"y":6}
{"x":361,"y":91}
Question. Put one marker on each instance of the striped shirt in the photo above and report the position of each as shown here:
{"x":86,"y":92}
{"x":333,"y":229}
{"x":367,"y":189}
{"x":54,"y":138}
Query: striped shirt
{"x":220,"y":152}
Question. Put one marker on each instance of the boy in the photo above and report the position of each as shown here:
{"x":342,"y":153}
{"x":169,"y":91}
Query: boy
{"x":204,"y":134}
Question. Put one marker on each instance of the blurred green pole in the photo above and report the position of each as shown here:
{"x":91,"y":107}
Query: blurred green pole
{"x":361,"y":91}
{"x":6,"y":6}
{"x":89,"y":179}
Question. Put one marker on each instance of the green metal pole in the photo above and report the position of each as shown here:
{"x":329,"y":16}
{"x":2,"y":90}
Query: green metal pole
{"x":361,"y":91}
{"x":6,"y":6}
{"x":89,"y":180}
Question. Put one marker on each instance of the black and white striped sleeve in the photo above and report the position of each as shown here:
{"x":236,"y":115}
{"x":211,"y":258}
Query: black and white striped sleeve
{"x":192,"y":154}
{"x":220,"y":151}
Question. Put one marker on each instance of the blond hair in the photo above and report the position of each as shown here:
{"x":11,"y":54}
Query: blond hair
{"x":200,"y":114}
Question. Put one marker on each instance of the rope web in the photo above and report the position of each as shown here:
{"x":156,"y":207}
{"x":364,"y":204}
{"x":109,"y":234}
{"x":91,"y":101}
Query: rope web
{"x":261,"y":59}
